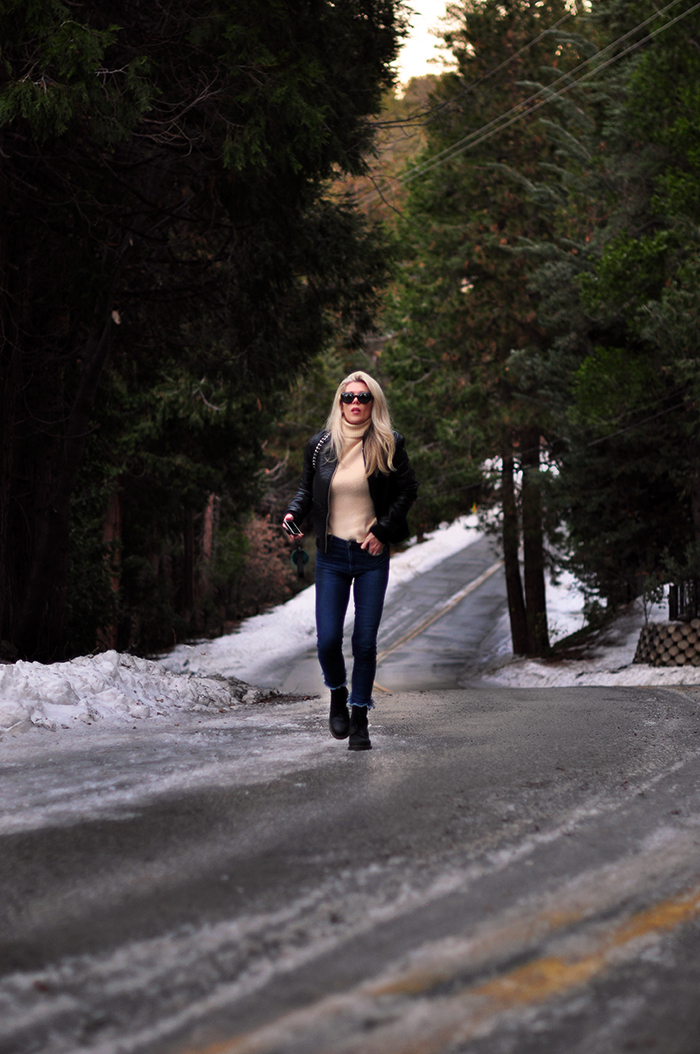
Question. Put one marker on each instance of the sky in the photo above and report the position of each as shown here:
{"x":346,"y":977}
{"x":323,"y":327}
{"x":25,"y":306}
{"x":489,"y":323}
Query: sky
{"x":421,"y":44}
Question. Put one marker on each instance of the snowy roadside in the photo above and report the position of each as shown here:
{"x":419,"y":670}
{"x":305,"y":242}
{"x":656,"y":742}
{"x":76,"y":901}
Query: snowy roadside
{"x":290,"y":628}
{"x":212,"y":677}
{"x":216,"y":676}
{"x":609,"y":657}
{"x":106,"y":689}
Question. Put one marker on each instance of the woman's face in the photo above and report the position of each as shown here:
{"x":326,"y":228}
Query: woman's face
{"x":356,"y":413}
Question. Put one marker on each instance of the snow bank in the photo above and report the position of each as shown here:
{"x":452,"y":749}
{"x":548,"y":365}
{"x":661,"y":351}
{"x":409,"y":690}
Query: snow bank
{"x":207,"y":677}
{"x":108,"y":687}
{"x":564,"y":606}
{"x":610,"y":663}
{"x":290,"y":628}
{"x":564,"y":616}
{"x":214,"y":676}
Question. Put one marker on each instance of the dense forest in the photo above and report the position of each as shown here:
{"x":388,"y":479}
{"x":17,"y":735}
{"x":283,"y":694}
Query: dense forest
{"x":545,"y":350}
{"x":209,"y":213}
{"x":170,"y":259}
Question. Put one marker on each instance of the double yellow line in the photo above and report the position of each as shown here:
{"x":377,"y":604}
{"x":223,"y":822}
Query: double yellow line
{"x":437,"y":1023}
{"x":436,"y":614}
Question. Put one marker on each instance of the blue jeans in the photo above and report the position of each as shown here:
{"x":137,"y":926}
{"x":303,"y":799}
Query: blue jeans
{"x":346,"y":564}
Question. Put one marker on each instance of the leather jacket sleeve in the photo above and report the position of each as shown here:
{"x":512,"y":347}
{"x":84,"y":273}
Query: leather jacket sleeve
{"x":301,"y":503}
{"x":393,"y":496}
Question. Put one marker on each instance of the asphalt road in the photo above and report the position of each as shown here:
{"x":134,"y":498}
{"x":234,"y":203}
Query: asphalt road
{"x":430,"y":635}
{"x":506,"y":872}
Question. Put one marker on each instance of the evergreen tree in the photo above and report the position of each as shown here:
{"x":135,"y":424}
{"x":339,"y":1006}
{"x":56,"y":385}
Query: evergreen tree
{"x":619,"y":299}
{"x":464,"y":311}
{"x":167,"y":259}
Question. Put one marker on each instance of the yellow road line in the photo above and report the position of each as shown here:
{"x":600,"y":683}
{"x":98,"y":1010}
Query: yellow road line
{"x":416,"y":1022}
{"x":382,"y":688}
{"x":441,"y":610}
{"x":540,"y":980}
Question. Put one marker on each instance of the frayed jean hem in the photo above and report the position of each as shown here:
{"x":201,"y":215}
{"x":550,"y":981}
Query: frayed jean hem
{"x":368,"y":706}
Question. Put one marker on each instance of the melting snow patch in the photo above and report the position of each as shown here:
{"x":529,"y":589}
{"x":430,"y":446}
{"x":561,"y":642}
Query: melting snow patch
{"x":290,"y":629}
{"x":107,"y":688}
{"x":611,"y":663}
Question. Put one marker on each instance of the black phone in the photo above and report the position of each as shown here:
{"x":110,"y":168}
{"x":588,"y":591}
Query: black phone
{"x":291,"y":528}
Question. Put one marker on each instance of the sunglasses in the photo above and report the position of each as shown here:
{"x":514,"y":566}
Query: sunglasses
{"x":362,"y":397}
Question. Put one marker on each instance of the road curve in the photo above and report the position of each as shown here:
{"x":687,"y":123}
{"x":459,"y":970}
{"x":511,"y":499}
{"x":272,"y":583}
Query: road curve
{"x":507,"y":871}
{"x":433,"y":631}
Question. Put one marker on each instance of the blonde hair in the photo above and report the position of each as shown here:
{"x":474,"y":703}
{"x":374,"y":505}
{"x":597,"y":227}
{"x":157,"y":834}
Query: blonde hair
{"x":379,"y":445}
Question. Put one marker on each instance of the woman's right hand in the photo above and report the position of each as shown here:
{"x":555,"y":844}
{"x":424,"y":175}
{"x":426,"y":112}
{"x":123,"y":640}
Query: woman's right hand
{"x":287,"y":519}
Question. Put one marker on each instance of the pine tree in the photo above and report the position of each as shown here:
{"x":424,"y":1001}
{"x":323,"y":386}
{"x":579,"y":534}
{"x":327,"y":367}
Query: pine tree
{"x":465,"y":311}
{"x":618,"y":285}
{"x":164,"y":228}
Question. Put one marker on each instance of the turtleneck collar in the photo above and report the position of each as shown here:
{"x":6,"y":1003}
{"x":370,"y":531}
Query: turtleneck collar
{"x":352,"y":431}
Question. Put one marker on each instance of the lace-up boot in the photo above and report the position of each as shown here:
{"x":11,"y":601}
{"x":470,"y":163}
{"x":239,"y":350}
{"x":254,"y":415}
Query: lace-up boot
{"x":339,"y":720}
{"x":359,"y":733}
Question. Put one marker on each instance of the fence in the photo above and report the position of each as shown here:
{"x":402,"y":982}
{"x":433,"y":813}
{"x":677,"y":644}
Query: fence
{"x":684,"y":600}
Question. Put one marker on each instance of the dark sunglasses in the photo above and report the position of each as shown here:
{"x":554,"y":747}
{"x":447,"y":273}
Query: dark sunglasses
{"x":362,"y":397}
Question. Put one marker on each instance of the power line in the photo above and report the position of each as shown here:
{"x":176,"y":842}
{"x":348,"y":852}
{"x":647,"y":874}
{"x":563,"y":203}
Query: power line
{"x":556,"y":95}
{"x":519,"y":454}
{"x":638,"y":424}
{"x":422,"y":115}
{"x":516,"y":113}
{"x":499,"y":123}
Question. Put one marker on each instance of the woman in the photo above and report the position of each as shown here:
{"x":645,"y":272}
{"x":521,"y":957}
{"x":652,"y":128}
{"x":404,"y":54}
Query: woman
{"x":360,"y":484}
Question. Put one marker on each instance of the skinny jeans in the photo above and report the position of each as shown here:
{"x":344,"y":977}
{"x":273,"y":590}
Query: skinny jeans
{"x":346,"y":564}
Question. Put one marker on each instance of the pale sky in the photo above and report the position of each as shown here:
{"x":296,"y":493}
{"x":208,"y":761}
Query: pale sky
{"x":421,"y":45}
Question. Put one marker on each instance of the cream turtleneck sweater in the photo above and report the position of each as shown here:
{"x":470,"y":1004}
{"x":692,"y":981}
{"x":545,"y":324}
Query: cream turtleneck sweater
{"x":351,"y":508}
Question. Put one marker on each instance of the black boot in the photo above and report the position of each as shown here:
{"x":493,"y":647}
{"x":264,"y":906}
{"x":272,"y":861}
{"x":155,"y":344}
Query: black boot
{"x":339,"y":720}
{"x":359,"y":733}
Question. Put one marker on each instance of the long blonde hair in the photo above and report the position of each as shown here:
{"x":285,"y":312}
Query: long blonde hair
{"x":379,"y":445}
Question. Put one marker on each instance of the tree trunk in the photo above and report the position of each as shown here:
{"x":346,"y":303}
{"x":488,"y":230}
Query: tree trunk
{"x":511,"y":534}
{"x":107,"y":636}
{"x":533,"y":546}
{"x":40,"y":627}
{"x":211,"y":518}
{"x":188,"y":585}
{"x":7,"y":447}
{"x":694,"y":485}
{"x":10,"y":387}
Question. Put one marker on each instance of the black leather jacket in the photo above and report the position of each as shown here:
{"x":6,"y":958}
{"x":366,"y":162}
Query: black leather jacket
{"x":392,"y":495}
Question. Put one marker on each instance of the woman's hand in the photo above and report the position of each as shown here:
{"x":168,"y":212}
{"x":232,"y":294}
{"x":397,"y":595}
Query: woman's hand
{"x":291,"y":534}
{"x":373,"y":544}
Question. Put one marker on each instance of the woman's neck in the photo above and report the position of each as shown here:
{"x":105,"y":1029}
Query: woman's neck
{"x":351,"y":430}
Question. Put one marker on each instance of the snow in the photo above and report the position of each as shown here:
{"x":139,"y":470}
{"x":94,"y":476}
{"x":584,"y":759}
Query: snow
{"x":610,"y":661}
{"x":109,"y":688}
{"x":112,"y":689}
{"x":111,"y":770}
{"x":291,"y":628}
{"x":217,"y":676}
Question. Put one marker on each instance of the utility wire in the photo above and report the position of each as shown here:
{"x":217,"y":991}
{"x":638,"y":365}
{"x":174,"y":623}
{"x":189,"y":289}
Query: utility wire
{"x":422,"y":115}
{"x":550,"y":95}
{"x":478,"y":135}
{"x":516,"y":113}
{"x":519,"y":454}
{"x":638,"y":424}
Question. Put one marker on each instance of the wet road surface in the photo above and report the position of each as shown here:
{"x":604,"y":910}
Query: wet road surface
{"x":506,"y":871}
{"x":435,"y":630}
